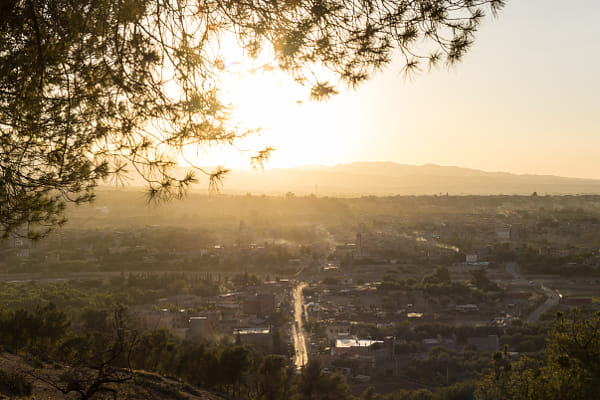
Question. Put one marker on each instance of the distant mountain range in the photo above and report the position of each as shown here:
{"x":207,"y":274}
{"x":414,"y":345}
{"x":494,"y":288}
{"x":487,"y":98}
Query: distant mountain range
{"x":388,"y":178}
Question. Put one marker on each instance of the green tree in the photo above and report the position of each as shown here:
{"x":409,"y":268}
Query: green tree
{"x":235,"y":362}
{"x":314,"y":384}
{"x":95,"y":88}
{"x":54,"y":325}
{"x":370,"y":393}
{"x":39,"y":330}
{"x":151,"y":350}
{"x":95,"y":363}
{"x":13,"y":383}
{"x":17,"y":328}
{"x":200,"y":366}
{"x":479,"y":278}
{"x":308,"y":380}
{"x":441,"y":275}
{"x":571,"y":369}
{"x":274,"y":378}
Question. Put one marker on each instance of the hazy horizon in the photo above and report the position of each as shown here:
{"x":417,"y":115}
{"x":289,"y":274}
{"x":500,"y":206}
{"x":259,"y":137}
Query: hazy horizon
{"x":388,"y":178}
{"x":269,"y":167}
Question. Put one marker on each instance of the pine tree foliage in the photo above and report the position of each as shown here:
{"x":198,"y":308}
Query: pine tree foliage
{"x":97,"y":89}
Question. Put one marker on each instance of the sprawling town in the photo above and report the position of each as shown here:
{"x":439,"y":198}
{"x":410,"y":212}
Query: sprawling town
{"x":411,"y":293}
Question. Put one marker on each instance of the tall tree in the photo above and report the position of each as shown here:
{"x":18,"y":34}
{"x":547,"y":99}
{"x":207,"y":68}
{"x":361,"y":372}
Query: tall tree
{"x":91,"y":89}
{"x":274,"y":378}
{"x":571,"y":369}
{"x":96,"y":362}
{"x":314,"y":384}
{"x":235,"y":362}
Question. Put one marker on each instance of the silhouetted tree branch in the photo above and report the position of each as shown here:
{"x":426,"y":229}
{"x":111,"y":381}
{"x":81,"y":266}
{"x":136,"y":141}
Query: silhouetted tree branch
{"x":93,"y":89}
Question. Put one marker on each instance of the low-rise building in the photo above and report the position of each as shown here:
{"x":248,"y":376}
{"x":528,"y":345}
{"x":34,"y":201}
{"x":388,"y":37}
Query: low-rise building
{"x":262,"y":337}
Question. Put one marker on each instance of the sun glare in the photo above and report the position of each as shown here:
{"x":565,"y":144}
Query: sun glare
{"x":271,"y":101}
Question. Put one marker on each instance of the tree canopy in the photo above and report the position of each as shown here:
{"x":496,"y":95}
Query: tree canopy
{"x":570,"y":370}
{"x":94,"y":89}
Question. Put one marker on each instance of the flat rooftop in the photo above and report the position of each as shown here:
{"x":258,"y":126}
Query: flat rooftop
{"x":347,"y":343}
{"x":252,"y":331}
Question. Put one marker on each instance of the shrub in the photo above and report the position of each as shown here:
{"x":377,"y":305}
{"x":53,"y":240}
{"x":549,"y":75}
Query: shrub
{"x":14,"y":384}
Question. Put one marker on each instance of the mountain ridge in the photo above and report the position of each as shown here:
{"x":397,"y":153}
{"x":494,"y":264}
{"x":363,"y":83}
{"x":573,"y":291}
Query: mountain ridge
{"x":428,"y":166}
{"x":389,"y":178}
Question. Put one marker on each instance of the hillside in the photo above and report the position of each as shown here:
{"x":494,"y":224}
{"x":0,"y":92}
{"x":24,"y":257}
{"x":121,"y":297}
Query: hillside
{"x":144,"y":386}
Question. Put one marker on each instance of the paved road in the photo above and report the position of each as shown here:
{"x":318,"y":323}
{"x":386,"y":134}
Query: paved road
{"x":552,"y":300}
{"x":301,"y":355}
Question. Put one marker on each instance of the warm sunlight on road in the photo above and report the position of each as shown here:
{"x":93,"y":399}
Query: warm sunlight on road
{"x":552,"y":296}
{"x":301,"y":354}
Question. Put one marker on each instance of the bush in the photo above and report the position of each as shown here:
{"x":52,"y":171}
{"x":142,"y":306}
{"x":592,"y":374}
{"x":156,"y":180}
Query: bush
{"x":14,"y":384}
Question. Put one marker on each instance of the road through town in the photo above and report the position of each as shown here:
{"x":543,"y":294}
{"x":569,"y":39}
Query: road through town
{"x":300,"y":355}
{"x":552,"y":296}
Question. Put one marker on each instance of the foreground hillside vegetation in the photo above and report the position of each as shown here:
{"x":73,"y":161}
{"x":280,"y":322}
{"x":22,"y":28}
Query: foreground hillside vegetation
{"x":98,"y":352}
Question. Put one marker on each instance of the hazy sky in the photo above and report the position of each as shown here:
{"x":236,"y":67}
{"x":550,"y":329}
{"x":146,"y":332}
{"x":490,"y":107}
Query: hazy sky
{"x":526,"y":99}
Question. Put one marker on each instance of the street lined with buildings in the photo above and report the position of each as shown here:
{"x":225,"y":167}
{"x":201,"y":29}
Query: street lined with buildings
{"x":300,"y":352}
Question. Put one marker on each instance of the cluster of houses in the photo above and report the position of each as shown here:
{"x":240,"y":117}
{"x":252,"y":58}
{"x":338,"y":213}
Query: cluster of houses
{"x":246,"y":315}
